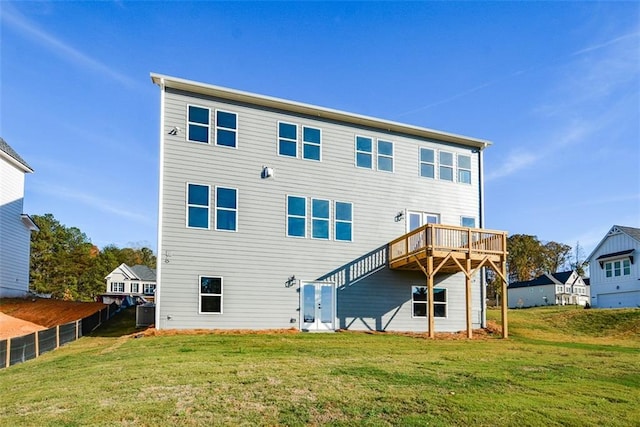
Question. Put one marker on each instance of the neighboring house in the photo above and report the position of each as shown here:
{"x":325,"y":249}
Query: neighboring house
{"x":614,"y":269}
{"x":278,"y":214}
{"x":564,"y":288}
{"x":15,"y":225}
{"x":138,"y":281}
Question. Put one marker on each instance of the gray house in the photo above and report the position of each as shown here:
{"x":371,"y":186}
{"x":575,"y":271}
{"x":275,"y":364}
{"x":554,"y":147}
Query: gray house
{"x":278,"y":214}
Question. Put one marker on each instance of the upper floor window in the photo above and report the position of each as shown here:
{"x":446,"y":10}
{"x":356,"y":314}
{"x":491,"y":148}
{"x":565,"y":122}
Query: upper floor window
{"x":226,"y":209}
{"x":617,"y":268}
{"x":296,"y":216}
{"x":446,"y":166}
{"x":210,"y":295}
{"x":343,"y":221}
{"x":427,"y":163}
{"x":364,"y":152}
{"x":320,"y":219}
{"x":287,"y":139}
{"x":464,"y":169}
{"x":226,"y":128}
{"x":385,"y":156}
{"x":198,"y":124}
{"x":311,"y":139}
{"x":197,"y":206}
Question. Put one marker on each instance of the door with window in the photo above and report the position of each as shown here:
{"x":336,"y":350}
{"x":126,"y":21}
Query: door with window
{"x":417,"y":220}
{"x":317,"y":306}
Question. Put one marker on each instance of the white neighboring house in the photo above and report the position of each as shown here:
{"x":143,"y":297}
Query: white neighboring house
{"x":562,"y":288}
{"x":138,"y":281}
{"x":614,"y":270}
{"x":15,"y":226}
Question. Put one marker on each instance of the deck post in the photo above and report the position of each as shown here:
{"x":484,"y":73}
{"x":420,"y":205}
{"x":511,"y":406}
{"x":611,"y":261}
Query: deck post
{"x":468,"y":294}
{"x":430,"y":295}
{"x":505,"y":332}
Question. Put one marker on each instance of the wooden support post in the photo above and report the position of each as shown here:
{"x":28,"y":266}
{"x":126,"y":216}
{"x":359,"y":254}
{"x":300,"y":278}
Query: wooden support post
{"x":57,"y":336}
{"x":37,"y":343}
{"x":505,"y":331}
{"x":468,"y":294}
{"x":8,"y":353}
{"x":432,"y":323}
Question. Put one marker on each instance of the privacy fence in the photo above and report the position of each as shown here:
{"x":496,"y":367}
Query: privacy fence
{"x":19,"y":349}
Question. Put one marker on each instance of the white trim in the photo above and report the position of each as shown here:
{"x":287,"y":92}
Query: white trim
{"x":356,"y":151}
{"x":186,"y":206}
{"x":200,"y":294}
{"x":215,"y":209}
{"x":287,"y":140}
{"x":216,"y":127}
{"x":328,"y":219}
{"x":28,"y":222}
{"x":198,"y":124}
{"x":420,"y":162}
{"x":445,"y":303}
{"x":441,"y":165}
{"x":386,"y":156}
{"x":319,"y":145}
{"x":286,"y":216}
{"x":160,"y":206}
{"x":459,"y":168}
{"x":336,"y":221}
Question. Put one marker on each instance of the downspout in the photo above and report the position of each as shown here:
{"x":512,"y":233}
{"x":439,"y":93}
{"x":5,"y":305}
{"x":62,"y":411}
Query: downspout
{"x":159,"y":257}
{"x":483,"y":284}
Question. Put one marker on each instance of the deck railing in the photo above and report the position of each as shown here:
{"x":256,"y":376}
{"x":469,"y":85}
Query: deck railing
{"x":439,"y":237}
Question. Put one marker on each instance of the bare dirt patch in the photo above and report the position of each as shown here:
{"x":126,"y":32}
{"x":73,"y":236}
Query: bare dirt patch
{"x":11,"y":327}
{"x":47,"y":312}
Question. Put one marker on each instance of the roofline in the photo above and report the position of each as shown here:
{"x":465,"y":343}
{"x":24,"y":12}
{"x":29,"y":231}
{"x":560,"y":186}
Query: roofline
{"x":17,"y":163}
{"x":312,"y":110}
{"x":593,"y":252}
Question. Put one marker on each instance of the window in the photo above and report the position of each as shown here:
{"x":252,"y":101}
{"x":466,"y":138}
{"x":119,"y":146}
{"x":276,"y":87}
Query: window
{"x":226,"y":209}
{"x":464,"y":169}
{"x":419,"y":301}
{"x":418,"y":219}
{"x":617,"y":268}
{"x":149,"y":288}
{"x":296,"y":216}
{"x":343,"y":221}
{"x":446,"y":166}
{"x":197,"y":206}
{"x":210,"y":294}
{"x":287,"y":139}
{"x":427,"y":163}
{"x":135,"y":288}
{"x":468,"y":221}
{"x":311,"y":138}
{"x":117,"y":287}
{"x":198,"y":124}
{"x":226,"y":128}
{"x":320,"y":219}
{"x":364,"y":152}
{"x":385,"y":156}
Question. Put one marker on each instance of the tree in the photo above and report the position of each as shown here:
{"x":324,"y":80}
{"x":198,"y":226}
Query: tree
{"x":525,"y":259}
{"x":556,"y":256}
{"x":578,"y":262}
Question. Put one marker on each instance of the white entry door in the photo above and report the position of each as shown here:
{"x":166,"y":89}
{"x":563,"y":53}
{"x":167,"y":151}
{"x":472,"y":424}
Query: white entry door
{"x":317,"y":306}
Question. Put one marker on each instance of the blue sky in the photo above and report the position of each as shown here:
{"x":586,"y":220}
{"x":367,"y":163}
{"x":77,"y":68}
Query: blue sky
{"x":554,"y":85}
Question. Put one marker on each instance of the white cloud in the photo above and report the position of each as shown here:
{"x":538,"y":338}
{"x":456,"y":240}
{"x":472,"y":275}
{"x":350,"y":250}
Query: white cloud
{"x":14,"y":19}
{"x":515,"y":162}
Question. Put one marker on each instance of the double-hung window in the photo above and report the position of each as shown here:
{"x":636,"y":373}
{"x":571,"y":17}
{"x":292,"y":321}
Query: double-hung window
{"x":117,"y":286}
{"x":197,"y":206}
{"x":296,"y":216}
{"x":287,"y":139}
{"x":226,"y":209}
{"x":320,"y":219}
{"x":419,"y":301}
{"x":311,"y":140}
{"x":226,"y":128}
{"x":135,"y":288}
{"x":464,"y":169}
{"x":364,"y":152}
{"x":385,"y":156}
{"x":149,"y":288}
{"x":446,"y":166}
{"x":617,"y":268}
{"x":211,"y":295}
{"x":343,"y":221}
{"x":427,"y":163}
{"x":198,"y":124}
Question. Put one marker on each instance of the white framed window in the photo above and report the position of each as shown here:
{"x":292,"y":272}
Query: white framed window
{"x":464,"y":169}
{"x":287,"y":139}
{"x":621,"y":267}
{"x":343,"y":221}
{"x":320,"y":218}
{"x":296,"y":216}
{"x":226,"y":128}
{"x":148,"y":288}
{"x":210,"y":295}
{"x":385,"y":156}
{"x":197,"y":206}
{"x":419,"y":302}
{"x":445,"y":171}
{"x":135,"y":287}
{"x":468,"y":221}
{"x":364,"y":152}
{"x":226,"y":205}
{"x":427,"y":163}
{"x":198,"y":119}
{"x":418,"y":219}
{"x":311,"y":143}
{"x":117,"y":286}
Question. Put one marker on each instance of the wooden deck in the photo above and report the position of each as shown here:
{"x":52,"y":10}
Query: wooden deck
{"x":438,"y":248}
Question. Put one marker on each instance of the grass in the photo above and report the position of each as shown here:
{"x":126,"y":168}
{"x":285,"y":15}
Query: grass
{"x":588,"y":374}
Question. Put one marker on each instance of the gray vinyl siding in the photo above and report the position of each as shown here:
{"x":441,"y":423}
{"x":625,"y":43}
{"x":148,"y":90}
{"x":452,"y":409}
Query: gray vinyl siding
{"x":257,"y":260}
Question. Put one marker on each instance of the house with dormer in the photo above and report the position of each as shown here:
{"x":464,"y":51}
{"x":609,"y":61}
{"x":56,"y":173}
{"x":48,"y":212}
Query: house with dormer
{"x":562,"y":288}
{"x":138,"y":282}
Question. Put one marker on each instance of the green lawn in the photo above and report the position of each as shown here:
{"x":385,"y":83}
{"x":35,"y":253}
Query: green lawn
{"x":586,"y":375}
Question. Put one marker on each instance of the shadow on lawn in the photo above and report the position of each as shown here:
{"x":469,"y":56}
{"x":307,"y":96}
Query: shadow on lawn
{"x":122,"y":323}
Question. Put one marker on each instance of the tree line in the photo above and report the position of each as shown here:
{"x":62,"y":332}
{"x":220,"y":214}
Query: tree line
{"x":65,"y":264}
